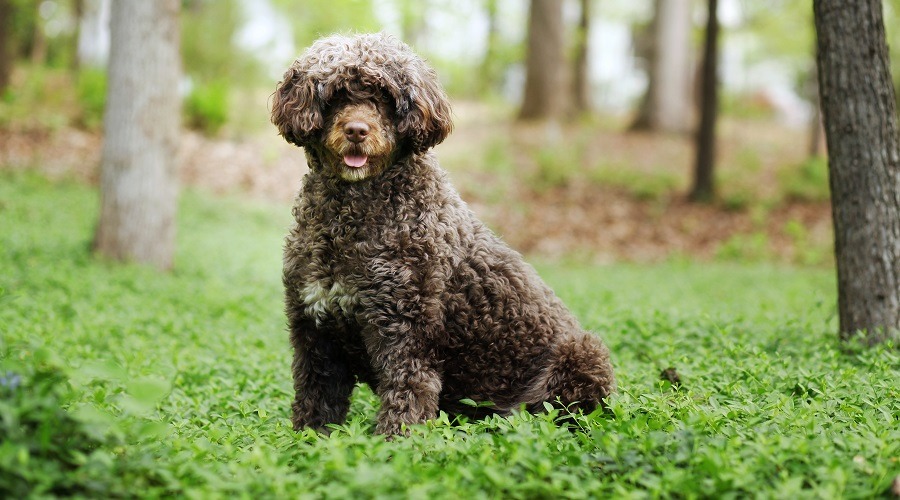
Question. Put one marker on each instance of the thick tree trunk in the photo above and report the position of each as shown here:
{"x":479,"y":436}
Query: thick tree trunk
{"x":861,"y":131}
{"x":704,"y":181}
{"x":581,"y":89}
{"x":138,"y":178}
{"x":667,"y":102}
{"x":545,"y":62}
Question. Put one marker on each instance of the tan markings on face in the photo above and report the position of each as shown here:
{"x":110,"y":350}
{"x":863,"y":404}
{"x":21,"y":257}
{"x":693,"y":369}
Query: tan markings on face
{"x":360,"y":141}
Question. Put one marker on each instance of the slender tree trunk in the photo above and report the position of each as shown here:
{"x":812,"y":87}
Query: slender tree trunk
{"x":489,"y":76}
{"x":811,"y":92}
{"x":413,"y":20}
{"x":673,"y":68}
{"x":581,"y":89}
{"x":141,"y":124}
{"x":667,"y":102}
{"x":78,"y":12}
{"x":815,"y":131}
{"x":93,"y":33}
{"x":7,"y":54}
{"x":545,"y":62}
{"x":646,"y":48}
{"x":39,"y":38}
{"x":864,"y":164}
{"x":704,"y":181}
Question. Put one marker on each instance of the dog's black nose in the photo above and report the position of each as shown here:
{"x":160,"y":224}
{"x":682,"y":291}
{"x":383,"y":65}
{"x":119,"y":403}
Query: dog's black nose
{"x":356,"y":131}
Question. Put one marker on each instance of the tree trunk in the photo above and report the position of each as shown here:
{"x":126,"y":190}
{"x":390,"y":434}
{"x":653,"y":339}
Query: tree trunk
{"x":667,"y":102}
{"x":545,"y":62}
{"x":93,"y":33}
{"x":861,"y":131}
{"x":581,"y":89}
{"x":811,"y":93}
{"x":38,"y":54}
{"x":78,"y":13}
{"x":7,"y":55}
{"x":489,"y":74}
{"x":672,"y":110}
{"x":815,"y":131}
{"x":141,"y":124}
{"x":413,"y":20}
{"x":704,"y":182}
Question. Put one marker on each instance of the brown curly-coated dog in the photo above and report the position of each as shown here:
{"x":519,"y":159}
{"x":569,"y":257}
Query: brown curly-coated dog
{"x":389,"y":278}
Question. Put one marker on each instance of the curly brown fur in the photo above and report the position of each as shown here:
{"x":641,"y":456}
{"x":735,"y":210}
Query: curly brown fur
{"x":389,"y":279}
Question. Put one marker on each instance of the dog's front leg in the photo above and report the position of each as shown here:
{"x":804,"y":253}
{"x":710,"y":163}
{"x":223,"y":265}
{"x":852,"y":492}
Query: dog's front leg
{"x":409,"y":388}
{"x":322,"y":379}
{"x":404,"y":337}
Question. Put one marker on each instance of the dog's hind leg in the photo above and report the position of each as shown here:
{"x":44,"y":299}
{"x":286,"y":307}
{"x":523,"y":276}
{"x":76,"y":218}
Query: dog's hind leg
{"x":579,"y":375}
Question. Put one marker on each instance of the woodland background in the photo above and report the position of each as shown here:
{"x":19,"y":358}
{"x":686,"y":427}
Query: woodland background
{"x":605,"y":174}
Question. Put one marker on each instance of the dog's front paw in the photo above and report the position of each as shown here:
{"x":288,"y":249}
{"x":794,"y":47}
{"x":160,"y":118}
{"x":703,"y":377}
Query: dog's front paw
{"x":400,"y":409}
{"x":391,"y":429}
{"x":304,"y":418}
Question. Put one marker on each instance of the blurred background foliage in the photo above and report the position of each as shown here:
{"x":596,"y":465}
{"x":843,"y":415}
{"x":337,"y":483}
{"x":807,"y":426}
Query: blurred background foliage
{"x":235,"y":51}
{"x":232,"y":47}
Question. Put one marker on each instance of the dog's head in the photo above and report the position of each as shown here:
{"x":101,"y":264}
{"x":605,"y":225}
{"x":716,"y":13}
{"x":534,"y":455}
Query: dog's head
{"x":359,"y":101}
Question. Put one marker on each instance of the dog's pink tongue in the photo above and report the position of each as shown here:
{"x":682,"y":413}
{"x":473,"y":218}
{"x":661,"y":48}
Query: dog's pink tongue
{"x":355,"y":161}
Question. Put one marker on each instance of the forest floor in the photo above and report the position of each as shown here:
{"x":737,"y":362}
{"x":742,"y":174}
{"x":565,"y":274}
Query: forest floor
{"x":732,"y":382}
{"x":585,"y":191}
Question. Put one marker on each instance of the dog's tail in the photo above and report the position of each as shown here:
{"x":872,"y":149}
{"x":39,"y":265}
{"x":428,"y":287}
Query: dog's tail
{"x":579,"y":375}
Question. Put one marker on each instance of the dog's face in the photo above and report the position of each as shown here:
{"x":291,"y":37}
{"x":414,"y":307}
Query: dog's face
{"x":359,"y":102}
{"x":359,"y":138}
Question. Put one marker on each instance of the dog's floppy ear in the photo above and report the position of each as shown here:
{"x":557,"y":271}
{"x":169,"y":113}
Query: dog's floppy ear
{"x":423,"y":110}
{"x":297,"y":108}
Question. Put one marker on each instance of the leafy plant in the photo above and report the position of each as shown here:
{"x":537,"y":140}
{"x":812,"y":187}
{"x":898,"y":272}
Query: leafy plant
{"x":179,"y":384}
{"x":91,"y":97}
{"x":206,"y":107}
{"x":44,"y":447}
{"x":642,"y":185}
{"x":745,"y":248}
{"x":806,"y":252}
{"x":807,"y":181}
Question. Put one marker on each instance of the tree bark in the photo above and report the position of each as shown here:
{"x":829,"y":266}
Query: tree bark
{"x":581,"y":89}
{"x":667,"y":102}
{"x":141,"y":124}
{"x":704,"y":181}
{"x":861,"y":131}
{"x":545,"y":62}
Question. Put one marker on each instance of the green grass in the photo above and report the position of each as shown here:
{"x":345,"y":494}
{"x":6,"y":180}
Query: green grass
{"x":119,"y":381}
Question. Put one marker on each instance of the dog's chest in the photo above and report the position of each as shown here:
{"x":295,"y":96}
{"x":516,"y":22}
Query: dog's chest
{"x":326,"y":298}
{"x":330,"y":242}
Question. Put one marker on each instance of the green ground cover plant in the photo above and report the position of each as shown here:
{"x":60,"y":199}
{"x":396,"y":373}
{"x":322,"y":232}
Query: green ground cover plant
{"x":119,"y":381}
